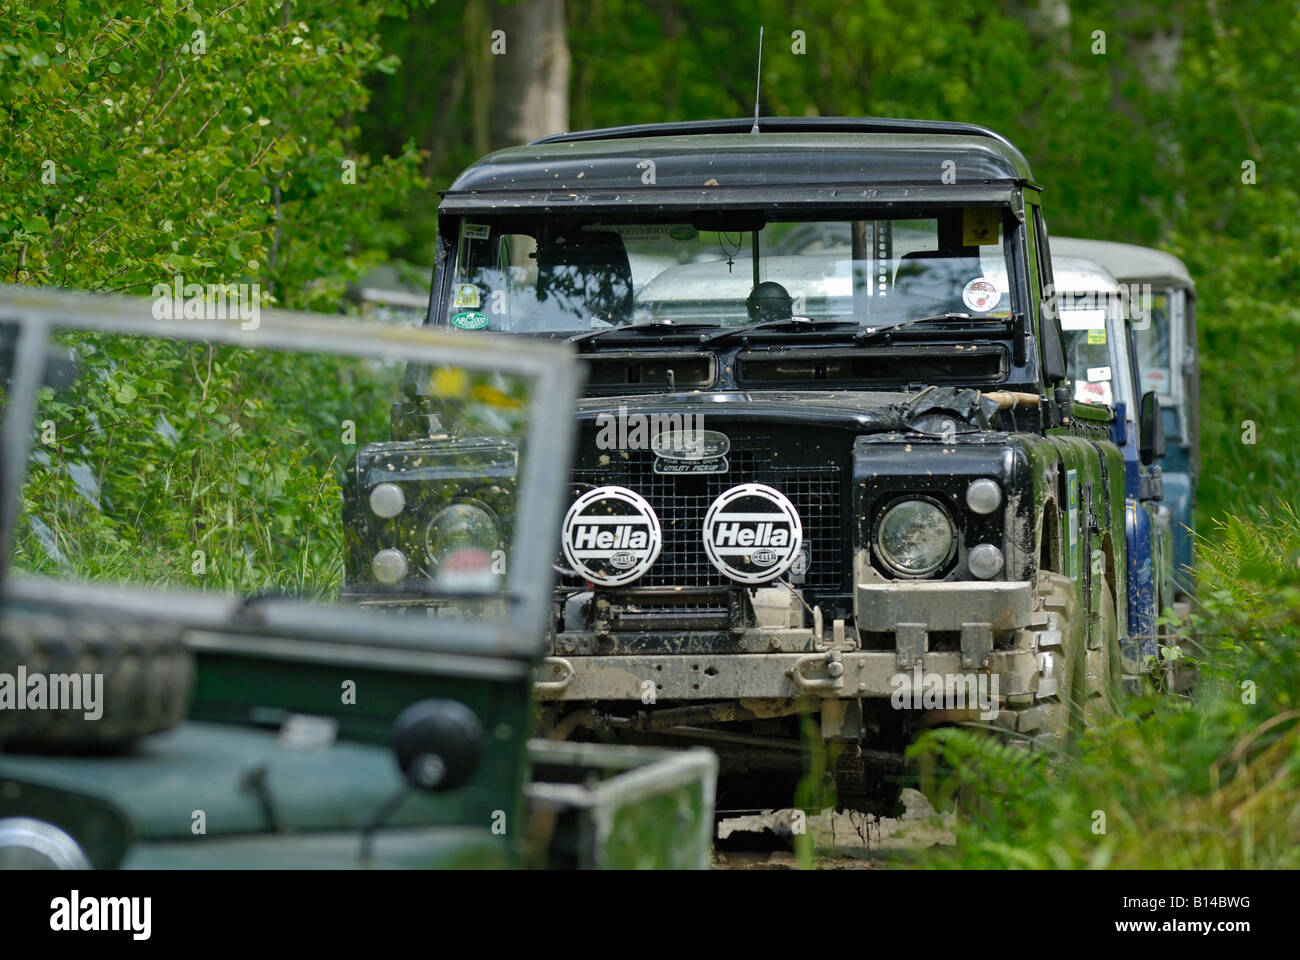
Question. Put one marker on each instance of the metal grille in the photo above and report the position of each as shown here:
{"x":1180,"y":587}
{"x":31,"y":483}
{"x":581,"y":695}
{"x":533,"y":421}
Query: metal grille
{"x":682,"y":500}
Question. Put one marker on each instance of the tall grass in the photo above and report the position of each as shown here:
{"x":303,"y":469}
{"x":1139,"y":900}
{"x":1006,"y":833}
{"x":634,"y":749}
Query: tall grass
{"x":1207,"y":782}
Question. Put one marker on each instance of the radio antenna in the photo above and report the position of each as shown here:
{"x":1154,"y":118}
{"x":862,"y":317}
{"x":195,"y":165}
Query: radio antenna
{"x":758,"y":82}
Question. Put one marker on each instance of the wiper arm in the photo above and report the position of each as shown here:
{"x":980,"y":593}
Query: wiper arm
{"x":872,"y":331}
{"x":795,"y":323}
{"x":648,"y":326}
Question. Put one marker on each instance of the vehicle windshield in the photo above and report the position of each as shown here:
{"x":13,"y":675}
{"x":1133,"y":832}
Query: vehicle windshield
{"x":1095,"y":351}
{"x":549,"y":275}
{"x":216,"y":461}
{"x":1153,"y":348}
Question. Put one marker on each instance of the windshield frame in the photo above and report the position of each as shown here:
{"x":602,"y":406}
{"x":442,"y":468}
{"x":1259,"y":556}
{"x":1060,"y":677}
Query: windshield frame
{"x":552,"y":369}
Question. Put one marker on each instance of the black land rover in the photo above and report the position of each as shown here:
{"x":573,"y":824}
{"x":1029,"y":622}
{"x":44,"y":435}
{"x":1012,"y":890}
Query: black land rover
{"x":828,"y":470}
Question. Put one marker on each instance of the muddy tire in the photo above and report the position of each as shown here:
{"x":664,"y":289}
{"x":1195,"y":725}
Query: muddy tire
{"x":862,"y":786}
{"x":1103,"y":666}
{"x":1059,"y":638}
{"x":147,"y":676}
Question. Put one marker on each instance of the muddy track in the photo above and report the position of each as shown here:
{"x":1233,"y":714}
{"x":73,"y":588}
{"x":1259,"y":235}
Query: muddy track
{"x":855,"y":841}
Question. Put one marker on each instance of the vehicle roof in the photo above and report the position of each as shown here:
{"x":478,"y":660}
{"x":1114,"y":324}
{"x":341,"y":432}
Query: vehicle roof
{"x":1126,"y":261}
{"x":1081,"y":274}
{"x":789,"y":151}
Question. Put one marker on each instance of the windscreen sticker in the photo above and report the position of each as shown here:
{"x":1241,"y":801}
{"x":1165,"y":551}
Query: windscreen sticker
{"x":470,"y":320}
{"x":979,"y":227}
{"x":1155,"y":379}
{"x":1096,"y":337}
{"x":476,"y":231}
{"x":1098,"y":373}
{"x":466,"y":296}
{"x":980,"y":295}
{"x":1072,"y":319}
{"x":1088,"y":392}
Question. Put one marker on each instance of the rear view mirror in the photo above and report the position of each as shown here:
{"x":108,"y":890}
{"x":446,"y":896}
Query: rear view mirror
{"x":1053,"y":345}
{"x":1152,"y":427}
{"x":739,"y":221}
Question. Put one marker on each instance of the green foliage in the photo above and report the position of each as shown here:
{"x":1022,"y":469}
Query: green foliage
{"x":1210,"y":783}
{"x":140,"y":140}
{"x":163,"y":448}
{"x":1137,"y":118}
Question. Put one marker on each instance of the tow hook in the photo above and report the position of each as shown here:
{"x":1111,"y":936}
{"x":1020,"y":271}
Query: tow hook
{"x":555,"y":686}
{"x":834,"y":679}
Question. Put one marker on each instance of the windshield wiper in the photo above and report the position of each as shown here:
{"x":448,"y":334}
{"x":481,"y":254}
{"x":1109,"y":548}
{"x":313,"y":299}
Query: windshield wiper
{"x":794,"y":323}
{"x":872,"y":331}
{"x":662,"y":326}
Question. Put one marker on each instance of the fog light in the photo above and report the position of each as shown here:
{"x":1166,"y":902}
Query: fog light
{"x":389,"y":566}
{"x":985,"y":561}
{"x":983,"y":496}
{"x":387,"y":500}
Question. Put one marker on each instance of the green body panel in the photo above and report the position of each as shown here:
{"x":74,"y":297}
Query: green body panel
{"x":158,"y":787}
{"x":253,"y":690}
{"x":164,"y":779}
{"x":1088,"y":452}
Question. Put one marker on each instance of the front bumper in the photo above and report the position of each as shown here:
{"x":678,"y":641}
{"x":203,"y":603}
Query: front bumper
{"x":911,"y":612}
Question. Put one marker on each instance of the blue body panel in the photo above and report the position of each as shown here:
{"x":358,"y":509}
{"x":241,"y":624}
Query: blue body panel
{"x":1142,"y":566}
{"x":1126,"y":440}
{"x":1142,"y":599}
{"x":1180,"y":498}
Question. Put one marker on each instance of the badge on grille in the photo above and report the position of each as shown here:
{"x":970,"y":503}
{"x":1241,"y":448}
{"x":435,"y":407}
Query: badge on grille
{"x":691,"y":451}
{"x":752,"y":533}
{"x":611,"y":536}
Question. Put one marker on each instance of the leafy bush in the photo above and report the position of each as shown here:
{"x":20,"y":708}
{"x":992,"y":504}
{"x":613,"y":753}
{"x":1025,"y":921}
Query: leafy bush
{"x":1206,"y":783}
{"x":163,"y":448}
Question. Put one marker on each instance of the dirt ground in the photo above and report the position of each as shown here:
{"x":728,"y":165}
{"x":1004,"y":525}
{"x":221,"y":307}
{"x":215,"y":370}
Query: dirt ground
{"x":851,"y":841}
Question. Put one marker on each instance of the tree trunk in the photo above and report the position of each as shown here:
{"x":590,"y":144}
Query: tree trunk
{"x":530,"y":82}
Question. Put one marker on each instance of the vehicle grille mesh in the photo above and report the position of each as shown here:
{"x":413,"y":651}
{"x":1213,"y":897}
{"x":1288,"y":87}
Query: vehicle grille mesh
{"x":682,"y":500}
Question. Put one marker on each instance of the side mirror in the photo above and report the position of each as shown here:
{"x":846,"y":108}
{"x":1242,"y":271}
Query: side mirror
{"x":1054,"y":368}
{"x":1152,"y":447}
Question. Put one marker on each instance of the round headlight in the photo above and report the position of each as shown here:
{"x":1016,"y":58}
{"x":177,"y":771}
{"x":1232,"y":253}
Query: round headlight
{"x":36,"y":845}
{"x":389,"y":566}
{"x":985,"y":561}
{"x":915,"y":538}
{"x":387,"y":500}
{"x":983,"y":496}
{"x":458,"y":527}
{"x":461,"y":541}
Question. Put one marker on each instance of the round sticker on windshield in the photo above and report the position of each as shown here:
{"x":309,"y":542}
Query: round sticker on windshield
{"x":611,"y":536}
{"x":980,"y":295}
